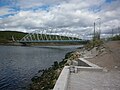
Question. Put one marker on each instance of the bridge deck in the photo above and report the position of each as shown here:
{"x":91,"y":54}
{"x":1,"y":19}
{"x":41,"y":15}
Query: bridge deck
{"x":57,"y":41}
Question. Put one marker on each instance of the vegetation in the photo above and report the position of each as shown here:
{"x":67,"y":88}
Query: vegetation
{"x":6,"y":36}
{"x":114,"y":38}
{"x":48,"y":78}
{"x":95,"y":42}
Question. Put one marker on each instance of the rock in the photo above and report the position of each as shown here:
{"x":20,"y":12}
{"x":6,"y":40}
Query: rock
{"x":105,"y":70}
{"x":69,"y":62}
{"x":116,"y":67}
{"x":74,"y":63}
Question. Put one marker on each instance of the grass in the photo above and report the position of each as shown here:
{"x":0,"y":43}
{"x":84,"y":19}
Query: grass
{"x":93,"y":43}
{"x":114,"y":38}
{"x":6,"y":36}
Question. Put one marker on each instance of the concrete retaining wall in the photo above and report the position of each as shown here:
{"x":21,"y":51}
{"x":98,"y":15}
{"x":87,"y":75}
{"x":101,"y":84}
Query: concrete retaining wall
{"x":62,"y":81}
{"x":89,"y":63}
{"x":92,"y":67}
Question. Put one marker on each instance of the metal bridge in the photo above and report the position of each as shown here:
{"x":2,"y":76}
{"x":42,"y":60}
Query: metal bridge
{"x":51,"y":35}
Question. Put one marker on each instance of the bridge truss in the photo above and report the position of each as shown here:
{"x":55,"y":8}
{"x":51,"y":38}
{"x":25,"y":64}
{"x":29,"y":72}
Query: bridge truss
{"x":51,"y":35}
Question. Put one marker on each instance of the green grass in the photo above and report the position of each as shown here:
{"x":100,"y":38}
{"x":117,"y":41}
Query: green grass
{"x":93,"y":43}
{"x":6,"y":36}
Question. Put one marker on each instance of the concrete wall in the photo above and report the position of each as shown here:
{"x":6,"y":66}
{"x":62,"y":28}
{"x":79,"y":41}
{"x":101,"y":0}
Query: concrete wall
{"x":62,"y":81}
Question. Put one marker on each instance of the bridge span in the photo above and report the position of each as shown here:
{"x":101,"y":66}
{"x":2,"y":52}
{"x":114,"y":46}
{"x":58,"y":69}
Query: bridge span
{"x":50,"y":35}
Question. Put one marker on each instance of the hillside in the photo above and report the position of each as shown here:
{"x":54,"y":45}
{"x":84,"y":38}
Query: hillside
{"x":6,"y":36}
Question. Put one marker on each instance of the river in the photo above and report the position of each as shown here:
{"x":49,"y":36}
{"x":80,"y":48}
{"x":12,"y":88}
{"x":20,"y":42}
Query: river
{"x":19,"y":64}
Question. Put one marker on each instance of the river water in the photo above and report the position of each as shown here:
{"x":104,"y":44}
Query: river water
{"x":19,"y":64}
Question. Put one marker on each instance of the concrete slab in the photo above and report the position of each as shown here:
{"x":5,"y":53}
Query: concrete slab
{"x":92,"y":80}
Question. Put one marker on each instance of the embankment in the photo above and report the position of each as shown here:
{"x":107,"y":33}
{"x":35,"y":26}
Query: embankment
{"x":47,"y":78}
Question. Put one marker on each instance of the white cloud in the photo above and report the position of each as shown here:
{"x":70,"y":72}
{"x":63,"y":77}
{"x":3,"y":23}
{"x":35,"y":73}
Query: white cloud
{"x":4,"y":10}
{"x":29,"y":4}
{"x":77,"y":15}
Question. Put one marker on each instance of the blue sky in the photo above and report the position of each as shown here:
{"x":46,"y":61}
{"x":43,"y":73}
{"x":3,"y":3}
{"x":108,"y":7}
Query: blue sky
{"x":110,"y":1}
{"x":26,"y":15}
{"x":14,"y":6}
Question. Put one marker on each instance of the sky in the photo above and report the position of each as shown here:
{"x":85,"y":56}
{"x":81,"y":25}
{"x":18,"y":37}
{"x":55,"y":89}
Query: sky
{"x":75,"y":15}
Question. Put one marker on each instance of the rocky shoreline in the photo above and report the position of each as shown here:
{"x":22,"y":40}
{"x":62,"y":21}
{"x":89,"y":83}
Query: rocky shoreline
{"x":47,"y":78}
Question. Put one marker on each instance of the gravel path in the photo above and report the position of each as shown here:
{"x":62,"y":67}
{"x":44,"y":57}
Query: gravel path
{"x":89,"y":80}
{"x":108,"y":79}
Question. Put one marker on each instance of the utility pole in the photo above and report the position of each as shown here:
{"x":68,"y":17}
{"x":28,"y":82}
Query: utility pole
{"x":94,"y":37}
{"x":94,"y":31}
{"x":97,"y":33}
{"x":99,"y":27}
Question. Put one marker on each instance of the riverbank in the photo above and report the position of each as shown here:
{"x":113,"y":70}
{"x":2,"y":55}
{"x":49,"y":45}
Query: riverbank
{"x":105,"y":55}
{"x":39,"y":44}
{"x":47,"y":78}
{"x":11,"y":44}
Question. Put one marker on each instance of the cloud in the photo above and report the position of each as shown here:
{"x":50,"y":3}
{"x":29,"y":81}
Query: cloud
{"x":4,"y":11}
{"x":74,"y":15}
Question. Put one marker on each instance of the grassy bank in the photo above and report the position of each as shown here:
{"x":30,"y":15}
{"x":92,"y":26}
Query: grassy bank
{"x":6,"y":36}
